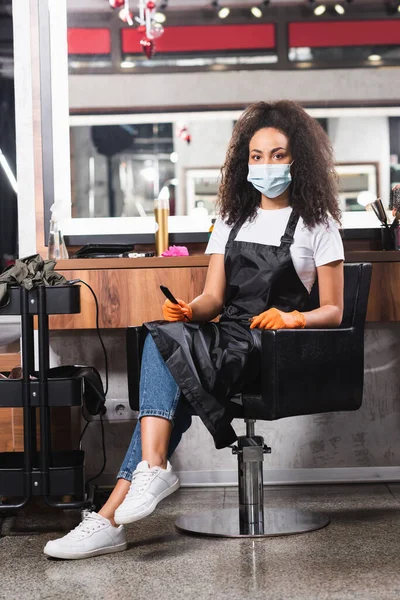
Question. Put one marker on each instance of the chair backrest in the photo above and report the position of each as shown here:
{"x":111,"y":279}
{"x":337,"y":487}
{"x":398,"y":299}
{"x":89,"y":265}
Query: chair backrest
{"x":312,"y":371}
{"x":357,"y":278}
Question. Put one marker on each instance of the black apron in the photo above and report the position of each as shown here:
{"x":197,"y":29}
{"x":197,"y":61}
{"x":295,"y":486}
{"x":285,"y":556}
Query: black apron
{"x":212,"y":362}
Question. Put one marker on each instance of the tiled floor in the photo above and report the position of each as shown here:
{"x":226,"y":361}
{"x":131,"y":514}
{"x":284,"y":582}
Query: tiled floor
{"x":356,"y":557}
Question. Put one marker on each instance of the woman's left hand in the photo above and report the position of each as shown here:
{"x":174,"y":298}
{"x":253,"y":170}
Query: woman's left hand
{"x":277,"y":319}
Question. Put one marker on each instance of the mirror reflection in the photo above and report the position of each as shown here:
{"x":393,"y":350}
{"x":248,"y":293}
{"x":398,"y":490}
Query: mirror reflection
{"x":119,"y":169}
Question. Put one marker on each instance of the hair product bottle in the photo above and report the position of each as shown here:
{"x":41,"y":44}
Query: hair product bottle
{"x":161,"y":214}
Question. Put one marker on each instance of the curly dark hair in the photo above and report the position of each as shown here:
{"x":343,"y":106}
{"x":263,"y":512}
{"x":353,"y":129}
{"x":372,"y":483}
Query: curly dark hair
{"x":314,"y":188}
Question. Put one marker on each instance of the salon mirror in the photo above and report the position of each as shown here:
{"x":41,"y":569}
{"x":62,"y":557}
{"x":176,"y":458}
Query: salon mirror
{"x":120,"y":163}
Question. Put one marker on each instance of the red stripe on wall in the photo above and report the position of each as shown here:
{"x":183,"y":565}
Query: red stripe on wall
{"x":344,"y":33}
{"x":89,"y":41}
{"x":203,"y":38}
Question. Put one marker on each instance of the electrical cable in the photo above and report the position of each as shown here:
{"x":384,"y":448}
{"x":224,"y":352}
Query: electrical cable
{"x":71,"y":282}
{"x":82,"y":434}
{"x":104,"y":454}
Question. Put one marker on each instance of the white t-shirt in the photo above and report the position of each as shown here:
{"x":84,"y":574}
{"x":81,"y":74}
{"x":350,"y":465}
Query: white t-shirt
{"x":310,"y":249}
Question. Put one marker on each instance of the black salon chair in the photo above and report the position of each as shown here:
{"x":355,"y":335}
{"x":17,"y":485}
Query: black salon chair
{"x":305,"y":371}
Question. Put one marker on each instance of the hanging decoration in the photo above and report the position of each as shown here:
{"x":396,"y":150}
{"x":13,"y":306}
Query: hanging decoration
{"x":125,"y":14}
{"x":149,"y":28}
{"x":183,"y":133}
{"x":148,"y":47}
{"x":116,"y":3}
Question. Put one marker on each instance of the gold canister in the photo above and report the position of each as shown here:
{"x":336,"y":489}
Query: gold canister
{"x":161,"y":214}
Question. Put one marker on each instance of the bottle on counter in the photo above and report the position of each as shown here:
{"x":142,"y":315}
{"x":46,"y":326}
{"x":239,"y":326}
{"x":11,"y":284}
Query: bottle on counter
{"x":161,"y":214}
{"x":56,"y":246}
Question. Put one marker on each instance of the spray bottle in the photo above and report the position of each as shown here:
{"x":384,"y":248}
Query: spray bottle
{"x":56,"y":249}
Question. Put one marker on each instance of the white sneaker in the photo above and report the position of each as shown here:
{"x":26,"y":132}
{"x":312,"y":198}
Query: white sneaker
{"x":93,"y":536}
{"x":149,"y":486}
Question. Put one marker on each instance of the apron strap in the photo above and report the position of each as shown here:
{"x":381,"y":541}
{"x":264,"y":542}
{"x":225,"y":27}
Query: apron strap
{"x":234,"y":231}
{"x":287,"y":238}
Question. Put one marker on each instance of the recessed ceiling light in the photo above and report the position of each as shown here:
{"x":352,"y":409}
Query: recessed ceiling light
{"x":319,"y":10}
{"x":339,"y":9}
{"x":256,"y":12}
{"x":374,"y":57}
{"x":224,"y":12}
{"x":127,"y":64}
{"x":160,"y":17}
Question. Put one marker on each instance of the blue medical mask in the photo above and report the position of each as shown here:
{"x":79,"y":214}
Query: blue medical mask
{"x":270,"y":180}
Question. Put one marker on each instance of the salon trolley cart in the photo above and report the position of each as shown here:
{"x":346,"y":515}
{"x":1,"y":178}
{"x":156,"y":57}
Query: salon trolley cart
{"x":38,"y":471}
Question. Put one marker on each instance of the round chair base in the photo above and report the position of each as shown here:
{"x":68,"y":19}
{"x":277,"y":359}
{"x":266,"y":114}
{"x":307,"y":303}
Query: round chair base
{"x":226,"y":523}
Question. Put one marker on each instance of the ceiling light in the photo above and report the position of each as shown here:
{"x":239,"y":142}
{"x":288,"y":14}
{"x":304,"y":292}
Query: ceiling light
{"x":159,"y":17}
{"x":339,"y":9}
{"x":8,"y":172}
{"x":374,"y":57}
{"x":224,"y":12}
{"x":256,"y":12}
{"x":319,"y":10}
{"x":127,"y":64}
{"x":392,"y":7}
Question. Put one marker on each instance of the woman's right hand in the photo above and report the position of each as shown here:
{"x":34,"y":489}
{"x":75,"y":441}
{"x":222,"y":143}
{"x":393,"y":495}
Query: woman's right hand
{"x":177,"y":312}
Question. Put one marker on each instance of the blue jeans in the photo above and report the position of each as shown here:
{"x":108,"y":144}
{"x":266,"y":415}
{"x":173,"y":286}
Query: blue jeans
{"x":159,"y":397}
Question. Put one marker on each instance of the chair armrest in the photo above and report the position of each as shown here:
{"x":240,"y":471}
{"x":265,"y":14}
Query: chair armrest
{"x":307,"y":371}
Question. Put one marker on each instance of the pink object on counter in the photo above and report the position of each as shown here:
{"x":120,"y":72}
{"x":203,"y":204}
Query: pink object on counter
{"x":176,"y":251}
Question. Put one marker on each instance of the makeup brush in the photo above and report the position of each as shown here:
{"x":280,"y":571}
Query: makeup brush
{"x":387,"y":233}
{"x":380,"y":212}
{"x":376,"y":211}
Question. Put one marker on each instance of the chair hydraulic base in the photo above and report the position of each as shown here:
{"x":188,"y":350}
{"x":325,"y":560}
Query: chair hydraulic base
{"x":227,"y":522}
{"x":250,"y":520}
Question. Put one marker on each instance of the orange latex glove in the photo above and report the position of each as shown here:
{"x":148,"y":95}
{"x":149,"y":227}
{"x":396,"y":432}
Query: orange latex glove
{"x":177,"y":312}
{"x":277,"y":319}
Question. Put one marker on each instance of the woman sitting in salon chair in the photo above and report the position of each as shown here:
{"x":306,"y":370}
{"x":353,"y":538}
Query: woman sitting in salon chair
{"x":276,"y":232}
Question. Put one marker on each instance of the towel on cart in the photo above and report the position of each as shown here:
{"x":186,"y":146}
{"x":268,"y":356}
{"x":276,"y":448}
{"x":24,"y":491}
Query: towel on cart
{"x":29,"y":272}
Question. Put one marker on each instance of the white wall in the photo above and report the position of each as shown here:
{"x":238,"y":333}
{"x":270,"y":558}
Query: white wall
{"x":234,"y":87}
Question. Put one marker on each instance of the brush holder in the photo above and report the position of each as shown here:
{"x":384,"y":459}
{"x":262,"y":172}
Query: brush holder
{"x":388,"y":238}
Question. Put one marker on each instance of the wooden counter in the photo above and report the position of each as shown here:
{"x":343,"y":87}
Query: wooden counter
{"x":157,"y":262}
{"x":128,"y":288}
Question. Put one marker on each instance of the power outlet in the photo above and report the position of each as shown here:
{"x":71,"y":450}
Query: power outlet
{"x":118,"y":409}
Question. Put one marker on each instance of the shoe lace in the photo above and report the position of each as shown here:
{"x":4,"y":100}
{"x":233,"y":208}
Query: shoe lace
{"x":140,"y":482}
{"x":87,"y":526}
